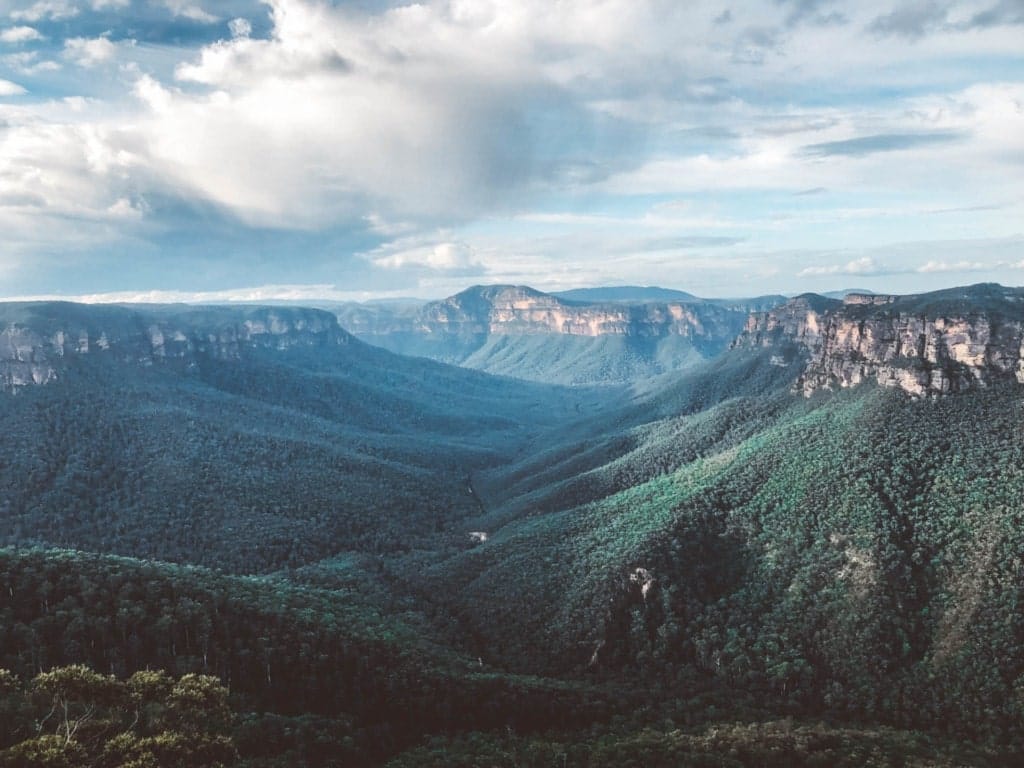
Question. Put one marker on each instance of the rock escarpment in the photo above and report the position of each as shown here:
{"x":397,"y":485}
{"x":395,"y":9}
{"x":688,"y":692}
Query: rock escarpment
{"x":37,"y":340}
{"x":521,"y":332}
{"x":519,"y":310}
{"x":928,"y":344}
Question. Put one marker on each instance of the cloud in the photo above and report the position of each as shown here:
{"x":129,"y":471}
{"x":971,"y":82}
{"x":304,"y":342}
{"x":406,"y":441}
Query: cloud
{"x":1005,"y":12}
{"x":7,"y":88}
{"x":862,"y":266}
{"x":883,"y":142}
{"x":449,"y":257}
{"x":420,"y":112}
{"x":912,"y":21}
{"x":755,"y":43}
{"x":20,"y":35}
{"x":190,"y":11}
{"x":87,"y":52}
{"x":29,"y":63}
{"x":959,"y":266}
{"x":53,"y":10}
{"x":684,"y":242}
{"x":240,"y":28}
{"x":317,"y":292}
{"x":812,"y":12}
{"x":320,"y":129}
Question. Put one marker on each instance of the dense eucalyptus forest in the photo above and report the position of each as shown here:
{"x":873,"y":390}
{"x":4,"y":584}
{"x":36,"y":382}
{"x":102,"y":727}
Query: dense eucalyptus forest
{"x":313,"y":552}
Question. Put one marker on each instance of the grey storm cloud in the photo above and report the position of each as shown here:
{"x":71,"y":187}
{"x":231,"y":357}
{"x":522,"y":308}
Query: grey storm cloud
{"x":882,"y":142}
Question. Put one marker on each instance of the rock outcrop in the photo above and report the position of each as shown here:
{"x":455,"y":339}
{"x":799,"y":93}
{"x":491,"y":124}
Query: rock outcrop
{"x":928,"y":344}
{"x":38,"y":339}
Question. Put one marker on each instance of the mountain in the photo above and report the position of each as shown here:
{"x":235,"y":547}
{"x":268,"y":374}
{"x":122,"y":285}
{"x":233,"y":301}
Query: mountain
{"x":852,"y":552}
{"x":246,"y":438}
{"x":632,"y":294}
{"x":843,"y":293}
{"x":393,"y":559}
{"x":37,"y":338}
{"x":520,"y":332}
{"x":927,"y":344}
{"x":625,"y":294}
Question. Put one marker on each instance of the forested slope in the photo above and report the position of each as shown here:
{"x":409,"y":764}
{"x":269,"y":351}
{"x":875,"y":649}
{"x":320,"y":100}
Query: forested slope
{"x":256,"y":458}
{"x":712,"y":568}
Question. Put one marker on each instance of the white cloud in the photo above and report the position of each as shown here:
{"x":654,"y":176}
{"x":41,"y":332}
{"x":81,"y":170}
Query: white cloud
{"x":7,"y":88}
{"x":89,"y":52}
{"x":191,"y":11}
{"x":442,"y":257}
{"x":255,"y":294}
{"x":862,"y":266}
{"x":29,"y":63}
{"x":423,"y":117}
{"x":54,"y":10}
{"x":959,"y":266}
{"x":20,"y":35}
{"x":62,"y":184}
{"x":240,"y":27}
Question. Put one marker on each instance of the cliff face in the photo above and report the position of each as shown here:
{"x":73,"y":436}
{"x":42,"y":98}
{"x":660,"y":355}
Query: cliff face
{"x":37,"y":340}
{"x":517,"y":310}
{"x":523,"y":333}
{"x":928,"y":344}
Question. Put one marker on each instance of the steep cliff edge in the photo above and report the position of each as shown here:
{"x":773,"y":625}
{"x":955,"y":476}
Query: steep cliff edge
{"x":506,"y":309}
{"x":926,"y":344}
{"x":521,"y":332}
{"x":38,"y":339}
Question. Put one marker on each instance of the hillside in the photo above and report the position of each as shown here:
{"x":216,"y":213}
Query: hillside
{"x":247,"y":438}
{"x":854,"y":553}
{"x":519,"y":332}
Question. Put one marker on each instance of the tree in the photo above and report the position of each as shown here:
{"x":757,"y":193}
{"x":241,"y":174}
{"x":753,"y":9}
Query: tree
{"x":87,"y":720}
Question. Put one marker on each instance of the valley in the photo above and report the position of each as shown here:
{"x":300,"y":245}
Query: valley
{"x":799,"y":545}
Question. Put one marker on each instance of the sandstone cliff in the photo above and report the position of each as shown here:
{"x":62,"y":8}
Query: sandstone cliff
{"x":928,"y":344}
{"x":521,"y":332}
{"x":38,"y":339}
{"x":520,"y":310}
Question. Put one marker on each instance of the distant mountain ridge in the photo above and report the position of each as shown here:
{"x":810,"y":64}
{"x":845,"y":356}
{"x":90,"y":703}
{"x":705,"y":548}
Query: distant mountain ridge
{"x":925,"y":344}
{"x":568,"y":338}
{"x":633,"y":294}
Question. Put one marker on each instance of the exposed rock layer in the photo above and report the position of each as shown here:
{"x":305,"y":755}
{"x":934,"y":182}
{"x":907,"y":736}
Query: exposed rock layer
{"x":521,"y":310}
{"x":37,"y":339}
{"x":518,"y":331}
{"x":927,"y":344}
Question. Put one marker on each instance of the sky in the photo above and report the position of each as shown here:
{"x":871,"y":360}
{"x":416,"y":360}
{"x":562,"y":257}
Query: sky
{"x":218,"y":150}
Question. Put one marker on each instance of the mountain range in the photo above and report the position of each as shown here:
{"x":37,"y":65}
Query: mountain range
{"x":793,"y":539}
